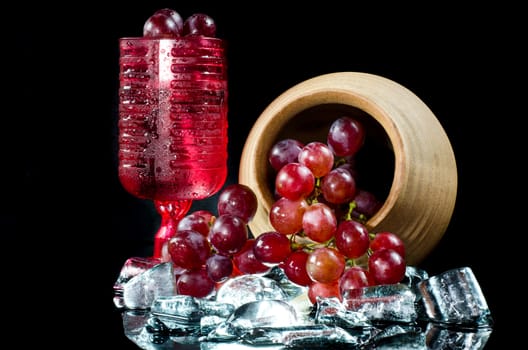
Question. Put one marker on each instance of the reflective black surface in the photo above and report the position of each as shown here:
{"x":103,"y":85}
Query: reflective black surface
{"x":66,"y":219}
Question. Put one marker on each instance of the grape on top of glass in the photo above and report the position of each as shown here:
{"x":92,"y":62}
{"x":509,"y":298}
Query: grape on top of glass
{"x":173,"y":115}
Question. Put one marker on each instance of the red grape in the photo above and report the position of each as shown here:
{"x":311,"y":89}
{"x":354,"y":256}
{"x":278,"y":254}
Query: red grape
{"x":238,"y":200}
{"x":219,"y":267}
{"x":388,"y":240}
{"x":163,"y":23}
{"x":228,"y":234}
{"x":325,"y":265}
{"x":189,"y":249}
{"x":271,"y":247}
{"x":294,"y":267}
{"x":346,"y":136}
{"x":386,"y":266}
{"x":318,"y":157}
{"x":246,"y":262}
{"x":199,"y":24}
{"x":338,"y":186}
{"x":195,"y":283}
{"x":319,"y":222}
{"x":354,"y":277}
{"x":294,"y":181}
{"x":194,"y":221}
{"x":283,"y":152}
{"x":366,"y":203}
{"x":286,"y":215}
{"x":352,"y":238}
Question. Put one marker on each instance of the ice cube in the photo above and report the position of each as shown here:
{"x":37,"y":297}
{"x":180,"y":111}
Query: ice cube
{"x":455,"y":297}
{"x":261,"y":313}
{"x":140,"y":291}
{"x":131,"y":268}
{"x":437,"y":337}
{"x":331,"y":311}
{"x":383,"y":303}
{"x":248,"y":288}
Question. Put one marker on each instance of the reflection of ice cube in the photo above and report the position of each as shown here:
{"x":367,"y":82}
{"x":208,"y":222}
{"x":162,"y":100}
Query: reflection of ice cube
{"x":399,"y":337}
{"x":438,"y":337}
{"x":141,"y":290}
{"x":248,"y":288}
{"x":185,"y":310}
{"x":455,"y":297}
{"x":134,"y":324}
{"x":181,"y":308}
{"x":383,"y":303}
{"x":261,"y":313}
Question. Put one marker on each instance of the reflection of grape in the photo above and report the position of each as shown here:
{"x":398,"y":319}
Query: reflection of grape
{"x":323,"y":290}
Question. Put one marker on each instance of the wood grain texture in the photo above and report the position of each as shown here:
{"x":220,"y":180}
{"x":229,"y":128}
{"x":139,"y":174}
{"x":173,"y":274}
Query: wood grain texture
{"x":421,"y":195}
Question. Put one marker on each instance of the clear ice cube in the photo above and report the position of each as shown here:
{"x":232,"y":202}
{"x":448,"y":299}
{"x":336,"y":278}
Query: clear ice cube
{"x":455,"y":297}
{"x":248,"y":288}
{"x":131,"y":268}
{"x":140,"y":291}
{"x":383,"y":303}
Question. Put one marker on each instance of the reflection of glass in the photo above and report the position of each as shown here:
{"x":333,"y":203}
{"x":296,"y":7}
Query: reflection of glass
{"x":172,"y":123}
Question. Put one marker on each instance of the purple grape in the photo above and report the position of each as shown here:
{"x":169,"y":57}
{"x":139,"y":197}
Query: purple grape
{"x":219,"y":267}
{"x":283,"y":152}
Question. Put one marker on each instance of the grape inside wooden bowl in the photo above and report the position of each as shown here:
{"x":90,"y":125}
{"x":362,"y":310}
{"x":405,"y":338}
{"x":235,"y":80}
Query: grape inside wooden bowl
{"x":407,"y":160}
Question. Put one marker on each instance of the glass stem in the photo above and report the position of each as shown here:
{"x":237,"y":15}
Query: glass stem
{"x":171,"y":213}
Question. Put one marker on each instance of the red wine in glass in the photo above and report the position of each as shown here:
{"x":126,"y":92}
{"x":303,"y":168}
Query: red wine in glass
{"x":172,"y":123}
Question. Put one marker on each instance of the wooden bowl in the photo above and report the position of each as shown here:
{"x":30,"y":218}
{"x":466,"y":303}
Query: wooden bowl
{"x":408,"y":160}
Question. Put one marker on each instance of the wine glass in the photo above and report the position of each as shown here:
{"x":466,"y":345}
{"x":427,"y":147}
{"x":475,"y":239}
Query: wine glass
{"x":172,"y":123}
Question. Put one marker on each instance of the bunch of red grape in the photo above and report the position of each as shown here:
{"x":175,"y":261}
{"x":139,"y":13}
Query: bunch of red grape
{"x":323,"y":212}
{"x":320,"y":239}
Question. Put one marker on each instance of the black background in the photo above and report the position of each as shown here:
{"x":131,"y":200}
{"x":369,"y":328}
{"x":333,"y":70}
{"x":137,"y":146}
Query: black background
{"x":68,"y":225}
